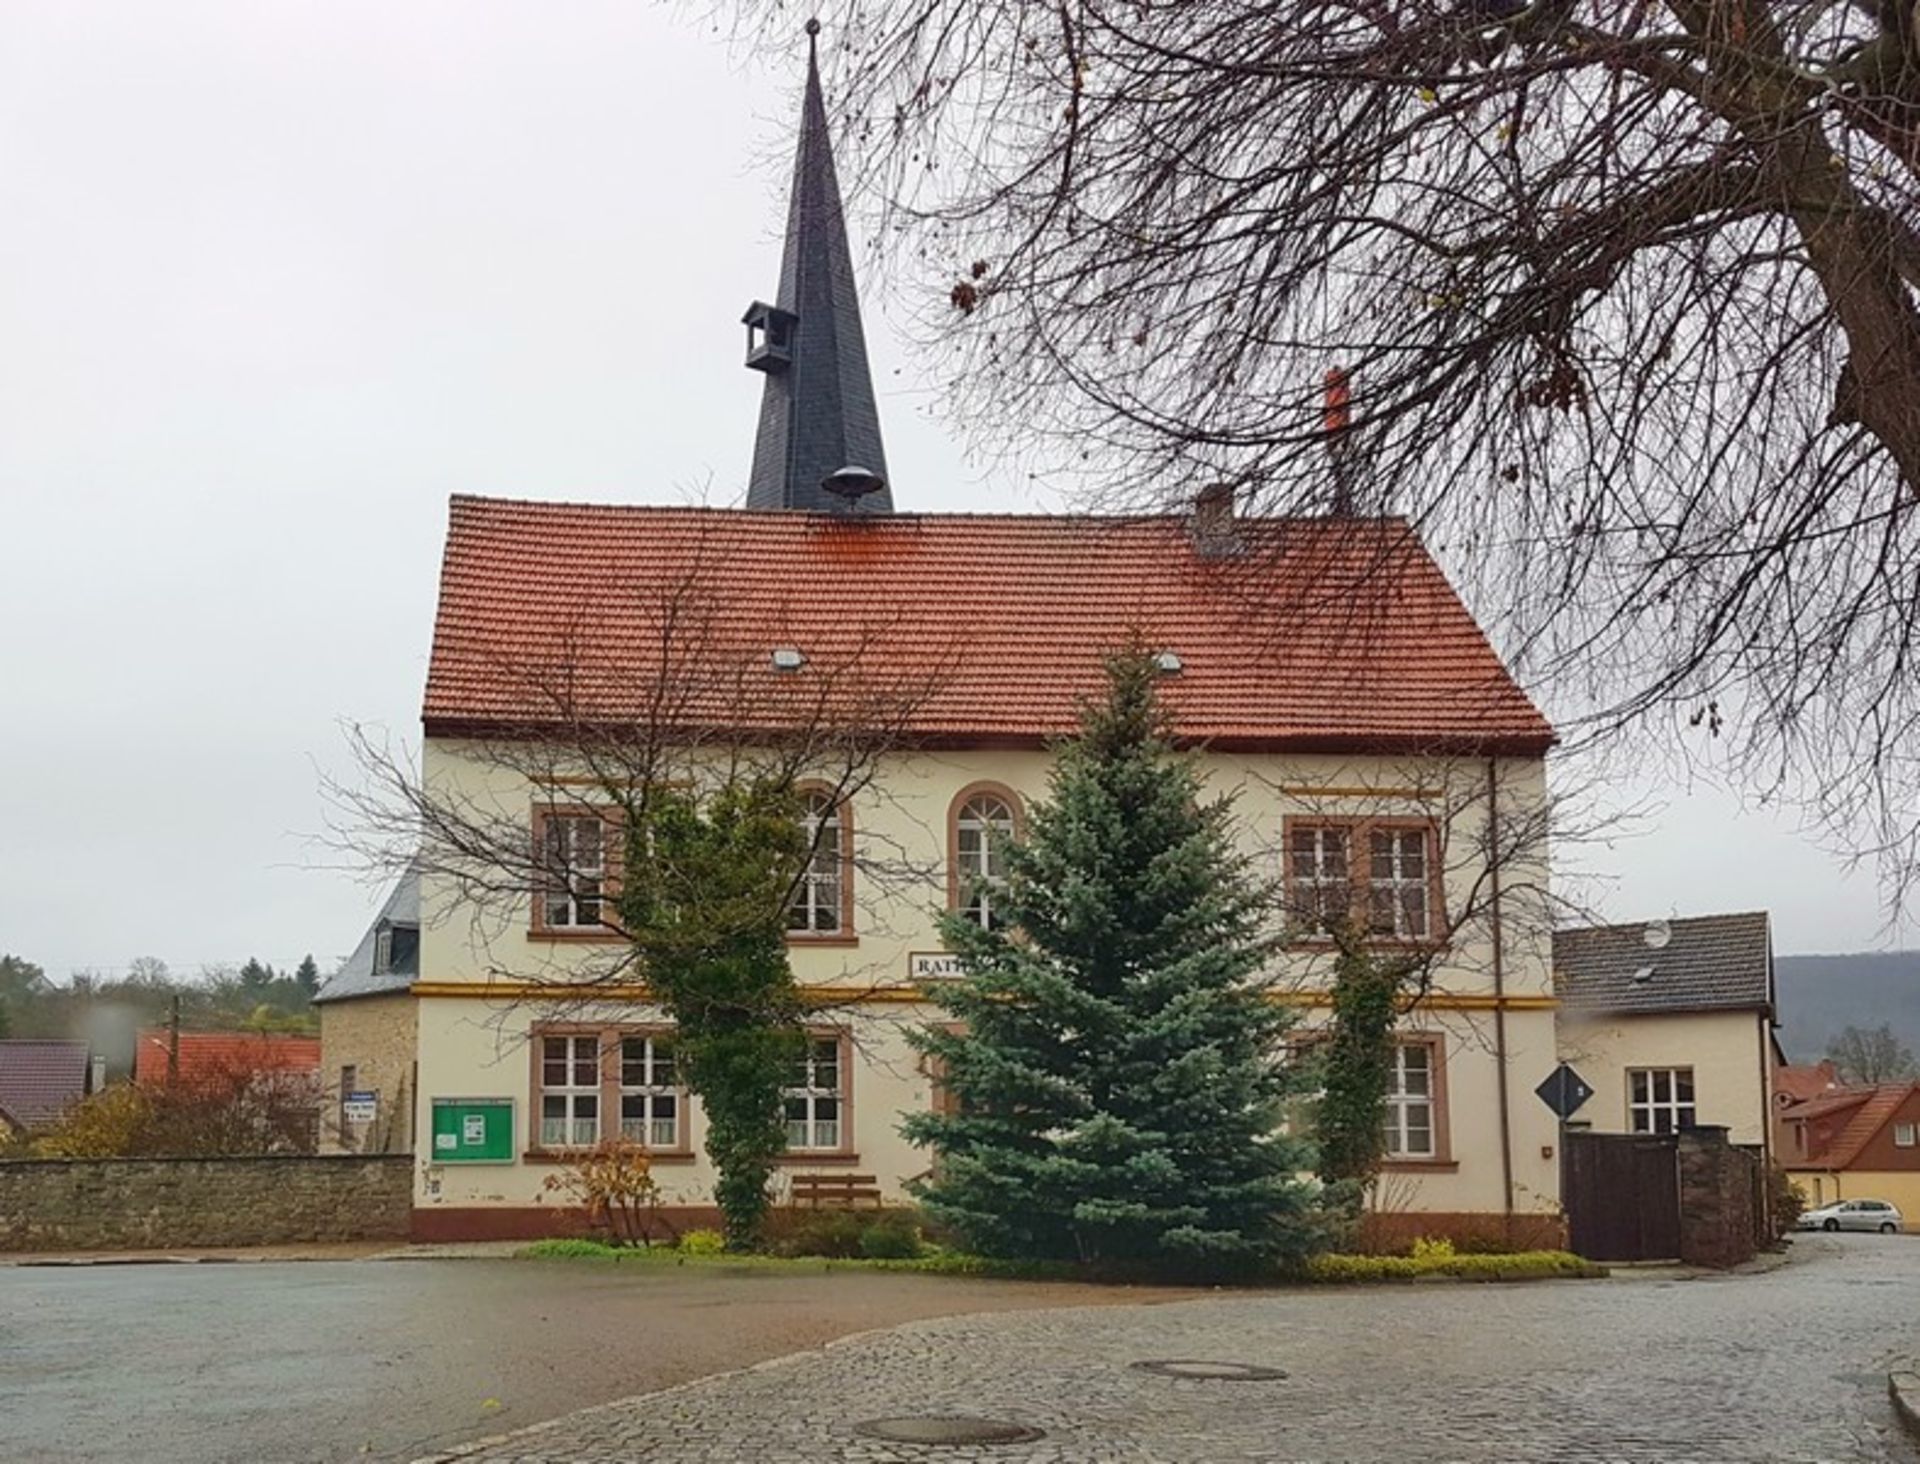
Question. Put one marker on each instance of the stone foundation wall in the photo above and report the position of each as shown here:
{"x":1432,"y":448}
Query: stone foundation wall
{"x":139,"y":1204}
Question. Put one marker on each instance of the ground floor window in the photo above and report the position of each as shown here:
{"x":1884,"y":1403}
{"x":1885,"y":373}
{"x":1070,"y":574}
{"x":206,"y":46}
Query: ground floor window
{"x":594,"y":1084}
{"x":1660,"y":1100}
{"x":1410,"y":1103}
{"x":649,"y":1094}
{"x":570,"y":1091}
{"x":815,"y":1099}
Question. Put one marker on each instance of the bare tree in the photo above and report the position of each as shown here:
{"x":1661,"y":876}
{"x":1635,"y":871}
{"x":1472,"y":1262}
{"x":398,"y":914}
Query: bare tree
{"x":679,"y":803}
{"x":1862,"y":1056}
{"x":1625,"y":293}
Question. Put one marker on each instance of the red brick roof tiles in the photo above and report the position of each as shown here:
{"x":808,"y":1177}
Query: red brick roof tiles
{"x":1316,"y":634}
{"x":219,"y":1054}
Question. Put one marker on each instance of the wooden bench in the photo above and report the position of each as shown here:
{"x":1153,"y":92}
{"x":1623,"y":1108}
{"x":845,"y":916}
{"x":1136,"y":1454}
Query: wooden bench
{"x":835,"y":1192}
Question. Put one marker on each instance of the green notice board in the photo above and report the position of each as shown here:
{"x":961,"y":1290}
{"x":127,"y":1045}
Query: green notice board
{"x":472,"y":1131}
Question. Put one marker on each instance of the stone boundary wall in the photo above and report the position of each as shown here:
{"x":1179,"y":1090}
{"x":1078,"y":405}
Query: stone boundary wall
{"x":1719,"y":1185}
{"x":142,"y":1204}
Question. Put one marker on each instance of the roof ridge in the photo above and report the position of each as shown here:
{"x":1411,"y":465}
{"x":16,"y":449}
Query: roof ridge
{"x":1170,"y":515}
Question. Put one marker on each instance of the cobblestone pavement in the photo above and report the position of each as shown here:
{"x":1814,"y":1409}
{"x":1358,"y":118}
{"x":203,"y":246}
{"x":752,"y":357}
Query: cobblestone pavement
{"x":1789,"y":1365}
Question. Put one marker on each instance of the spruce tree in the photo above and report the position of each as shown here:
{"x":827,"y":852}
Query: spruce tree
{"x":1118,"y":1083}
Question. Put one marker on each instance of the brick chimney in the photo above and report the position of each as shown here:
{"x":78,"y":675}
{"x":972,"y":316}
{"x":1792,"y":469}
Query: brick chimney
{"x":1337,"y":422}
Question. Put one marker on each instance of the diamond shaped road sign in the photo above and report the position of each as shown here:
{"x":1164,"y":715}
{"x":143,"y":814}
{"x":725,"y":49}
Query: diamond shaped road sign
{"x":1564,"y":1091}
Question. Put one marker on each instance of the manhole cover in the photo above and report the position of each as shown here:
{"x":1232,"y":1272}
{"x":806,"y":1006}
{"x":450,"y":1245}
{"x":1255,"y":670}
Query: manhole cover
{"x":947,"y":1430}
{"x":1225,"y":1372}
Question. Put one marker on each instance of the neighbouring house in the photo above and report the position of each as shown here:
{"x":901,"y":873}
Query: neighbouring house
{"x":40,"y":1079}
{"x":1324,"y":669}
{"x":1671,"y":1024}
{"x":368,"y":1033}
{"x":1795,"y":1083}
{"x":161,"y":1055}
{"x":1857,"y":1144}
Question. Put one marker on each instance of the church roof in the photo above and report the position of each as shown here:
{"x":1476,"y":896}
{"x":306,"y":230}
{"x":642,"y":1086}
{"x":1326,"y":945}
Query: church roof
{"x":817,"y":409}
{"x":1322,"y":634}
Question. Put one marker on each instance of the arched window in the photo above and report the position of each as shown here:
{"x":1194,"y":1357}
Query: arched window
{"x":985,"y":821}
{"x":821,"y":899}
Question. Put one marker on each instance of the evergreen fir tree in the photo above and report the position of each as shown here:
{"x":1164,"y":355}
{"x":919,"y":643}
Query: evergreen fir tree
{"x":1119,"y":1084}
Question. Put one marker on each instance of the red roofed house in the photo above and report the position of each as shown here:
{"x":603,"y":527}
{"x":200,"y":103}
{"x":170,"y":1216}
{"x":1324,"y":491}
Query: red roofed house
{"x":1325,"y":667}
{"x":212,"y":1055}
{"x":1857,"y":1144}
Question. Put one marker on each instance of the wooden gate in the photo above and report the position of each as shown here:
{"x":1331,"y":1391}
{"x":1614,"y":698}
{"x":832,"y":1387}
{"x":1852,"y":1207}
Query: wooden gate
{"x":1621,"y":1193}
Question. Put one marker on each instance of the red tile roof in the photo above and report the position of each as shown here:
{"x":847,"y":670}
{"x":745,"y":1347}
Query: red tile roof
{"x":1872,"y":1109}
{"x":1802,"y":1082}
{"x":1317,"y":634}
{"x":39,"y":1079}
{"x":205,"y":1054}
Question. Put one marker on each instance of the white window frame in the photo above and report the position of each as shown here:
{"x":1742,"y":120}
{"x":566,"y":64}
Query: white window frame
{"x":803,"y":1103}
{"x":1313,"y":890}
{"x":580,"y":1052}
{"x":573,"y":886}
{"x":1906,"y":1135}
{"x":981,"y":870}
{"x":659,"y":1123}
{"x":1407,"y":893}
{"x":1661,"y":1100}
{"x":1405,"y":1104}
{"x":819,"y":898}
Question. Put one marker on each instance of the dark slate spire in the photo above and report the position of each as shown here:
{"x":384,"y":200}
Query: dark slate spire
{"x":817,"y":416}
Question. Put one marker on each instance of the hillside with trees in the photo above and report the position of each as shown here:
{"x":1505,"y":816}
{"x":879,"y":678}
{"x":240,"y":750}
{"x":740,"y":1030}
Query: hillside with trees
{"x":1821,"y":996}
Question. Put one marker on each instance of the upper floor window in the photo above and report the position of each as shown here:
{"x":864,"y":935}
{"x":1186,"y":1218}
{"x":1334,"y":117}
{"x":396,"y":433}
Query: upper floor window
{"x":984,"y":823}
{"x":1397,"y":881}
{"x":1660,"y":1100}
{"x":820,"y":897}
{"x":1380,"y":873}
{"x":814,"y":1099}
{"x":573,"y":870}
{"x":1319,"y":886}
{"x":1904,"y":1135}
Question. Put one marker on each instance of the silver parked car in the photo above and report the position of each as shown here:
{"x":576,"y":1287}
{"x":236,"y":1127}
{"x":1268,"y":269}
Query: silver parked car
{"x":1854,"y":1215}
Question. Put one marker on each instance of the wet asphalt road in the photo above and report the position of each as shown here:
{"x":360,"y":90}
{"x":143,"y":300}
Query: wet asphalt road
{"x":286,"y":1362}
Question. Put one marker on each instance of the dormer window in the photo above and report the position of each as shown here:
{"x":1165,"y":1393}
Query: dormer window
{"x":769,"y":336}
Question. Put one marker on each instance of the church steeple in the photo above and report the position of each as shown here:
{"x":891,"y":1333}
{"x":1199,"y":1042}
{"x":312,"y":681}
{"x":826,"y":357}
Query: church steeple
{"x":819,"y":443}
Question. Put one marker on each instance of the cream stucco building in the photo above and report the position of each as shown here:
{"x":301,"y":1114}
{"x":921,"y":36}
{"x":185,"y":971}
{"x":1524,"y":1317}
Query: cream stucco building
{"x":1381,"y":758}
{"x":1670,"y":1022}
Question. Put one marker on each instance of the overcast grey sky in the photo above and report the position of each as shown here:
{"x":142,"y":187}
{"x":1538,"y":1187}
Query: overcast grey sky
{"x":277,"y":278}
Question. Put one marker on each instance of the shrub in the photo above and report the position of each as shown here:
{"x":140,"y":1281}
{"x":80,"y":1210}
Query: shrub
{"x":831,"y":1233}
{"x":1786,"y":1201}
{"x":1433,"y":1249}
{"x":893,"y":1237}
{"x":1520,"y":1266}
{"x":614,"y":1183}
{"x":703,"y":1243}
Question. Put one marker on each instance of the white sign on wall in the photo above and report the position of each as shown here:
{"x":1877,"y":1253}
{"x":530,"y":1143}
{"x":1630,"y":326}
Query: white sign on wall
{"x":360,"y":1107}
{"x":932,"y":966}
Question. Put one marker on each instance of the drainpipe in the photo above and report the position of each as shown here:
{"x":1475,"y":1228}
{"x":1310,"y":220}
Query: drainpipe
{"x":1499,"y":992}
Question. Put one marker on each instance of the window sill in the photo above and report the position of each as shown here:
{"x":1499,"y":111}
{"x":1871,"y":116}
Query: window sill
{"x":802,"y":938}
{"x":825,"y":1156}
{"x":570,"y":1156}
{"x":1420,"y":1166}
{"x":578,"y":937}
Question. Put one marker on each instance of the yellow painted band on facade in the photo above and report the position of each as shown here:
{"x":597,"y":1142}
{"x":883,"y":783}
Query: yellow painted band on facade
{"x":851,"y":995}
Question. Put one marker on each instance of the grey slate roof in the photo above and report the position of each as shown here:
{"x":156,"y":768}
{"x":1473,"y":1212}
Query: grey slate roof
{"x":357,"y":976}
{"x":1710,"y":963}
{"x":40,"y":1078}
{"x":817,"y":415}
